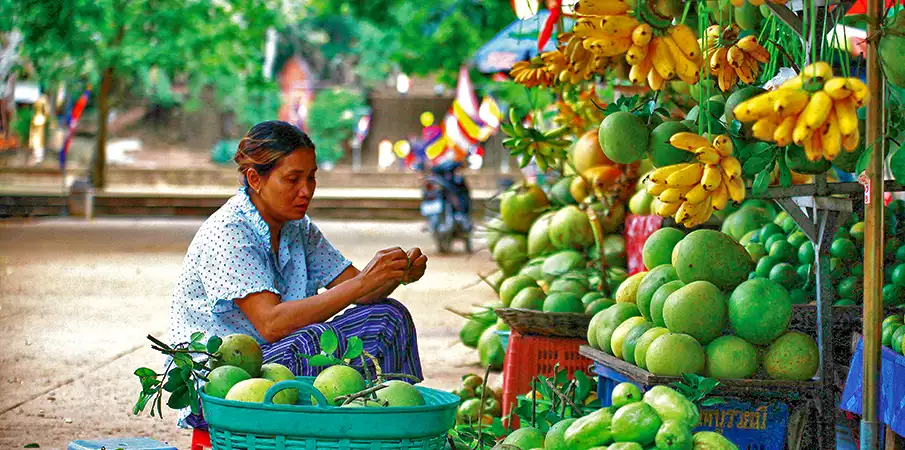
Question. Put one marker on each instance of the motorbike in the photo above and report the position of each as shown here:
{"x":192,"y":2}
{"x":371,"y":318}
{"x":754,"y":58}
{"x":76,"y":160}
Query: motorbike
{"x":446,"y":204}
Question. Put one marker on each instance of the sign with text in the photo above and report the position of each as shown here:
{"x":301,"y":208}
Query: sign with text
{"x":749,"y":425}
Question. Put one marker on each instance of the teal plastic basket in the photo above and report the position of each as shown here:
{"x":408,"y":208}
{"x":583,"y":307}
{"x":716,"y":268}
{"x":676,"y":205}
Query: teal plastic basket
{"x":237,"y":425}
{"x":504,"y":337}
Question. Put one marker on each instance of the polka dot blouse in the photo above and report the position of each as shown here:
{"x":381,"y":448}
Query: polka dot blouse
{"x":231,"y":257}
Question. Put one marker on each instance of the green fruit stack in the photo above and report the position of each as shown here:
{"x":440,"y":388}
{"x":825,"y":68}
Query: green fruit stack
{"x":893,"y":333}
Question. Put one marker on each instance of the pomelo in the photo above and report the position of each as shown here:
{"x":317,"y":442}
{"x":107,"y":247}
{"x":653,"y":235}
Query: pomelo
{"x":730,"y":357}
{"x":525,"y":438}
{"x":792,"y":356}
{"x":590,"y":297}
{"x":560,"y":194}
{"x":623,"y":446}
{"x":539,"y":237}
{"x":621,"y":332}
{"x":587,"y":153}
{"x":746,"y":219}
{"x":623,"y":137}
{"x":625,"y":393}
{"x":335,"y":381}
{"x":556,"y":436}
{"x":709,"y":440}
{"x":510,"y":253}
{"x":563,"y":302}
{"x":672,"y":406}
{"x":276,"y":373}
{"x":521,"y":205}
{"x":513,"y":285}
{"x":708,"y":255}
{"x":593,"y":325}
{"x":640,"y":203}
{"x":222,"y":379}
{"x":496,"y":229}
{"x":471,"y":332}
{"x":659,"y":150}
{"x":611,"y":318}
{"x":598,"y":305}
{"x":400,"y":393}
{"x":759,"y":311}
{"x":644,"y":343}
{"x":636,"y":422}
{"x":242,"y":351}
{"x":571,"y":285}
{"x":697,"y":309}
{"x":756,"y":251}
{"x":628,"y":290}
{"x":659,"y":246}
{"x":563,"y":262}
{"x":674,"y":436}
{"x":673,"y":354}
{"x":251,"y":390}
{"x":533,"y":268}
{"x":890,"y":51}
{"x":570,"y":228}
{"x":649,"y":285}
{"x":659,"y":300}
{"x":591,"y":430}
{"x":490,"y":349}
{"x":631,"y":341}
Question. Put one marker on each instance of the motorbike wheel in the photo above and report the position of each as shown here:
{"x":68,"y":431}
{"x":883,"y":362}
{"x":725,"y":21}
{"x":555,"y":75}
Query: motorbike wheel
{"x":468,"y":245}
{"x":443,"y":242}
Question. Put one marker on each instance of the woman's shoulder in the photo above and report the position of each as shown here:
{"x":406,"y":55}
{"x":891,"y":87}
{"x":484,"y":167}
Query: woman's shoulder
{"x":230,"y":221}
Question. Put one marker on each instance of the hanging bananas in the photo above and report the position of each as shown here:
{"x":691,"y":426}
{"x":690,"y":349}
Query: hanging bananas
{"x":732,"y":59}
{"x":814,"y":110}
{"x":547,"y":148}
{"x":654,"y":60}
{"x":691,"y":192}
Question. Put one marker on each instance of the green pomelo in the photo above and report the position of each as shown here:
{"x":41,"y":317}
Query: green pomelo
{"x":887,"y":334}
{"x":590,"y":297}
{"x":521,"y":205}
{"x":510,"y":253}
{"x":640,"y":203}
{"x":611,"y":318}
{"x":659,"y":150}
{"x":631,"y":341}
{"x":591,"y":430}
{"x":627,"y":292}
{"x":614,"y":247}
{"x":756,"y":251}
{"x":563,"y":262}
{"x":783,"y":251}
{"x":556,"y":436}
{"x":730,"y":357}
{"x":539,"y":237}
{"x":747,"y":16}
{"x":336,"y":381}
{"x":893,"y":319}
{"x":659,"y":246}
{"x":636,"y":422}
{"x":750,"y":237}
{"x":513,"y":285}
{"x":593,"y":325}
{"x":625,"y":393}
{"x":709,"y":440}
{"x":697,"y":309}
{"x":623,"y":137}
{"x":644,"y":343}
{"x":746,"y":219}
{"x":400,"y":393}
{"x":759,"y":311}
{"x":785,"y":275}
{"x":251,"y":390}
{"x":651,"y":282}
{"x":570,"y":228}
{"x":563,"y":302}
{"x":672,"y":406}
{"x":533,"y":269}
{"x":674,"y":354}
{"x":490,"y":349}
{"x":617,"y":340}
{"x":276,"y":373}
{"x":525,"y":438}
{"x":471,"y":332}
{"x":560,"y":193}
{"x":708,"y":255}
{"x":792,"y":356}
{"x":598,"y":305}
{"x":242,"y":351}
{"x":222,"y":379}
{"x":673,"y":436}
{"x":738,"y":97}
{"x":799,"y":162}
{"x":569,"y":285}
{"x":659,"y":300}
{"x":496,"y":229}
{"x":896,"y":341}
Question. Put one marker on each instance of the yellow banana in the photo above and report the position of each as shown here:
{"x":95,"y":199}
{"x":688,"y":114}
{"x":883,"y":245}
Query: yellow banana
{"x":697,"y":194}
{"x":736,"y":187}
{"x":662,"y":59}
{"x":859,"y":91}
{"x":687,"y":43}
{"x":707,"y":155}
{"x":718,"y":60}
{"x":667,"y":209}
{"x":850,"y":141}
{"x":638,"y":73}
{"x":685,"y":68}
{"x":723,"y":144}
{"x":712,"y":177}
{"x":642,"y":34}
{"x":674,"y":194}
{"x":746,"y":72}
{"x":819,"y":70}
{"x":727,"y":78}
{"x":654,"y":80}
{"x":765,"y":128}
{"x":793,"y":83}
{"x":732,"y":167}
{"x":700,"y":214}
{"x":688,"y":176}
{"x":736,"y":56}
{"x":636,"y":54}
{"x":831,"y":140}
{"x":683,"y":213}
{"x":801,"y":134}
{"x":601,"y":8}
{"x":783,"y":134}
{"x":607,"y":46}
{"x":618,"y":26}
{"x":720,"y":197}
{"x":846,"y":115}
{"x":755,"y":108}
{"x":818,"y":110}
{"x":586,"y":25}
{"x":713,"y":33}
{"x":837,"y":88}
{"x":751,"y":47}
{"x":656,"y":189}
{"x":659,"y":176}
{"x":688,"y":141}
{"x":813,"y":147}
{"x":790,"y":101}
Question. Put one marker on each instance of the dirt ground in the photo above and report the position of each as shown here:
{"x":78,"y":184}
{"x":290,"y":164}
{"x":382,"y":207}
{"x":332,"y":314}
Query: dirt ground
{"x":77,"y":300}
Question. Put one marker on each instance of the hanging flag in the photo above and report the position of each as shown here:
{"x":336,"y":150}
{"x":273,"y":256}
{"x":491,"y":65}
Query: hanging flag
{"x":73,"y":121}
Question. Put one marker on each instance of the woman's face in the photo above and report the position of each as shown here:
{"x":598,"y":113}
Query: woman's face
{"x":287,"y":191}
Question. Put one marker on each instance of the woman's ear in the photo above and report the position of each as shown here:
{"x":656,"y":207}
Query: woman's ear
{"x":254,"y":180}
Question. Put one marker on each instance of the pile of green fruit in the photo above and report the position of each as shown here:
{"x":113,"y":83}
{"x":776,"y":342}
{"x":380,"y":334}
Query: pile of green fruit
{"x":472,"y":390}
{"x":696,"y":312}
{"x":479,"y":332}
{"x":893,"y":333}
{"x":660,"y":419}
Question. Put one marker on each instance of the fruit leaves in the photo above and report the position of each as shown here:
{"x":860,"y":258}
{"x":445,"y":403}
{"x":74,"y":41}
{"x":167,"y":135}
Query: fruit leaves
{"x":695,"y":388}
{"x":329,"y":342}
{"x":354,"y":348}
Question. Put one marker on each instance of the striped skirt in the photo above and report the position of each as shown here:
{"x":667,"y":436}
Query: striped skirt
{"x":386,"y":330}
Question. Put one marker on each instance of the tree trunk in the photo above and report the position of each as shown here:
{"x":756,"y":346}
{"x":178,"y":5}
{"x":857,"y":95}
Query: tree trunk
{"x":99,"y":164}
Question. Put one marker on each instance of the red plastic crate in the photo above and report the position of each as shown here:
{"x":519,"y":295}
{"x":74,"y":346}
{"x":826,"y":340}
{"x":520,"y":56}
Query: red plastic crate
{"x":530,"y":356}
{"x":201,"y":439}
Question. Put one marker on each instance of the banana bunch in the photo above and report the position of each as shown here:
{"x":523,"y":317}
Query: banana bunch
{"x":738,"y":59}
{"x":601,"y":7}
{"x":580,"y":63}
{"x":691,"y":192}
{"x":532,"y":73}
{"x":547,"y":148}
{"x":654,"y":60}
{"x":814,"y":110}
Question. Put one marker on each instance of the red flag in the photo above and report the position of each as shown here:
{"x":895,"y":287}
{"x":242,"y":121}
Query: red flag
{"x":74,"y":116}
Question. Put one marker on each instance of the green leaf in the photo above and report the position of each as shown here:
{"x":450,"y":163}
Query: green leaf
{"x":785,"y":174}
{"x":708,"y":384}
{"x":864,"y":160}
{"x":583,"y":385}
{"x":354,"y":348}
{"x":183,"y":360}
{"x":711,"y":401}
{"x":32,"y":445}
{"x":197,"y":347}
{"x":758,"y":161}
{"x":329,"y":342}
{"x":735,"y":128}
{"x":144,"y":372}
{"x":179,"y":399}
{"x":213,"y":344}
{"x":197,"y":337}
{"x":897,"y":165}
{"x":761,"y":182}
{"x":175,"y":380}
{"x":320,"y":361}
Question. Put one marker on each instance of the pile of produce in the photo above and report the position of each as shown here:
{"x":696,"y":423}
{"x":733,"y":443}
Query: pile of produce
{"x":696,"y":312}
{"x":480,"y":404}
{"x":893,"y":333}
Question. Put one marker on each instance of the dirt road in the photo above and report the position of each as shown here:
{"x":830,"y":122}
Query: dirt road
{"x":77,"y":300}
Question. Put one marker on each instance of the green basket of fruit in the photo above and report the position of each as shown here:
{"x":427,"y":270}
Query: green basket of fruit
{"x":312,"y":423}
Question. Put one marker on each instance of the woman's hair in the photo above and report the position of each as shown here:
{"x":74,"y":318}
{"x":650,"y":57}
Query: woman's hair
{"x":266,"y":144}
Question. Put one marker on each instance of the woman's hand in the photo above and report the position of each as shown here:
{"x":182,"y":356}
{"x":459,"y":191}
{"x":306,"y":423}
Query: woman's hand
{"x":389,"y":266}
{"x":417,"y":265}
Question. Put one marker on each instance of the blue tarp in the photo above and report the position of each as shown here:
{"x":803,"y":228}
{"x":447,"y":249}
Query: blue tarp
{"x":891,"y":385}
{"x":517,"y":42}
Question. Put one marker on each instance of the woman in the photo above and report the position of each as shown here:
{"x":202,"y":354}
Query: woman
{"x":260,"y":267}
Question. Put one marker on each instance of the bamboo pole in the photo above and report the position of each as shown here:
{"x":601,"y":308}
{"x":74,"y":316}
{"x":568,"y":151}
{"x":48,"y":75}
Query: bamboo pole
{"x":873,"y":235}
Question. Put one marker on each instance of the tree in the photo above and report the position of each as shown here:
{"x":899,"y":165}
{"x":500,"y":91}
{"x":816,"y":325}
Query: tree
{"x":107,"y":42}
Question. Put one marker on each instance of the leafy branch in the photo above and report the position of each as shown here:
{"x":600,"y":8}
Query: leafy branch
{"x":697,"y":389}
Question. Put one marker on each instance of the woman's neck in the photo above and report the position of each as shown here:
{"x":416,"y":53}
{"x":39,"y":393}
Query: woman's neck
{"x":275,"y":224}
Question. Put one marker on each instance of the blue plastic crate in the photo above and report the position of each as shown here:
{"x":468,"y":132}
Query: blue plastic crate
{"x":607,"y":379}
{"x":133,"y":443}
